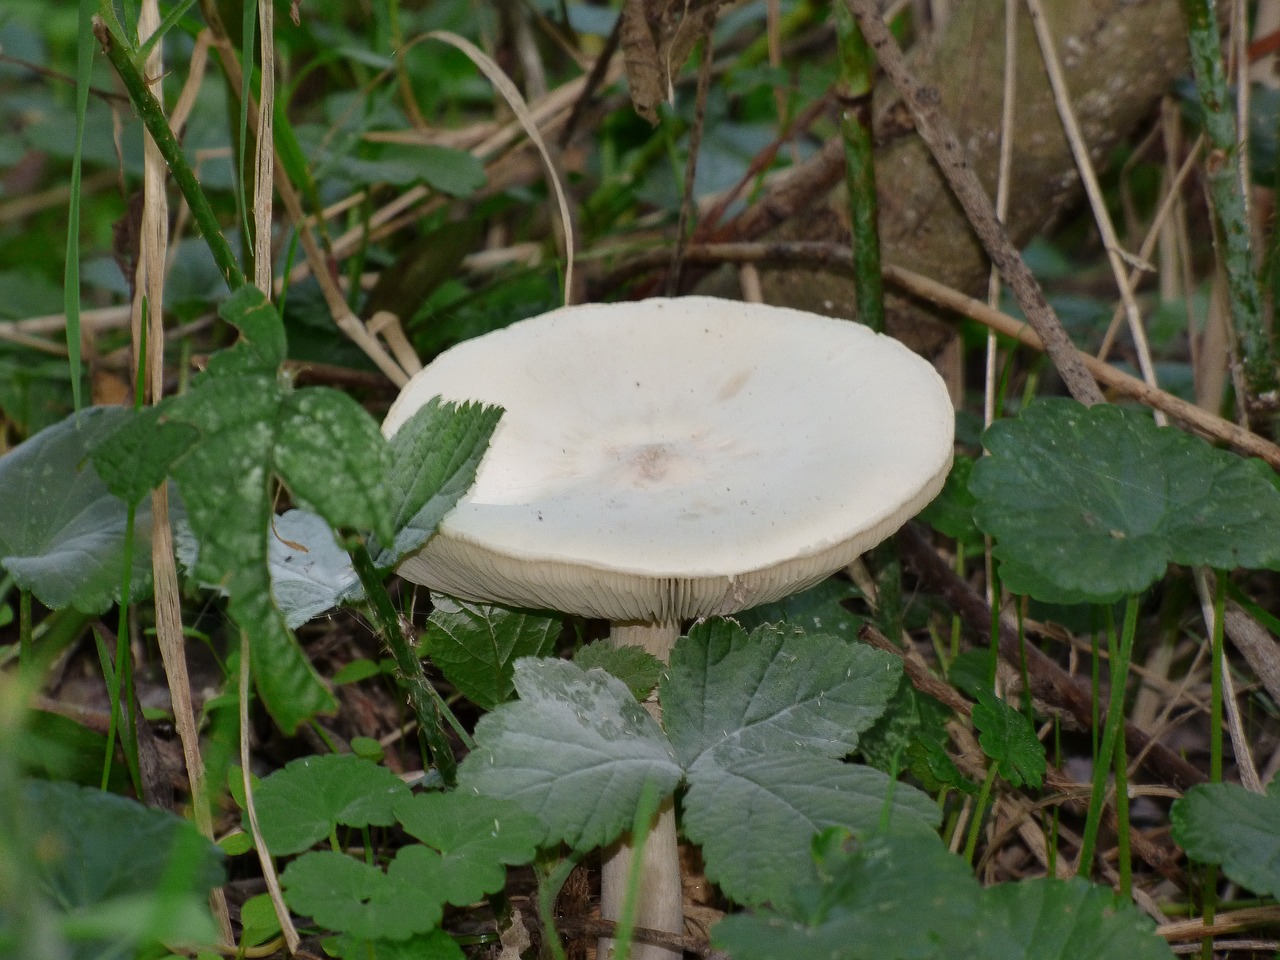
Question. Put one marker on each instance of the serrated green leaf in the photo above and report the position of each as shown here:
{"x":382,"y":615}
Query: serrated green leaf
{"x":1092,"y":504}
{"x":476,"y":838}
{"x":349,"y":896}
{"x":434,"y":945}
{"x":1226,"y":824}
{"x":251,"y":427}
{"x":1073,"y":920}
{"x":62,"y":533}
{"x":639,"y":670}
{"x":333,"y":457}
{"x":476,"y":645}
{"x":576,"y":751}
{"x":816,"y":610}
{"x":301,"y":804}
{"x":775,"y":690}
{"x":1008,"y":738}
{"x":434,"y":454}
{"x":140,"y":453}
{"x":890,"y":898}
{"x":754,"y":815}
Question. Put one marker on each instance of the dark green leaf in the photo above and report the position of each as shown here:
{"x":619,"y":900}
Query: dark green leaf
{"x":816,"y":610}
{"x":1089,"y":505}
{"x":301,"y":804}
{"x":777,"y":689}
{"x":435,"y":454}
{"x":62,"y":533}
{"x":1226,"y":824}
{"x":476,"y":645}
{"x":754,"y":814}
{"x":951,"y":512}
{"x":435,"y":945}
{"x":1008,"y":738}
{"x":349,"y":896}
{"x":639,"y":670}
{"x":475,"y":838}
{"x":136,"y":457}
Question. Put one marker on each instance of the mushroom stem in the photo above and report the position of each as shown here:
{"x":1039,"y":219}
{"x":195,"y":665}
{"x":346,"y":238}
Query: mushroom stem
{"x":660,"y":899}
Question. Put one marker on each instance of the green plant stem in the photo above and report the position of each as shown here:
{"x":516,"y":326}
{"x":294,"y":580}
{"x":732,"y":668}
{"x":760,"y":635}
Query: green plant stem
{"x":1120,"y":653}
{"x":550,"y":883}
{"x":153,"y":118}
{"x":1215,"y":683}
{"x":1231,"y":221}
{"x":26,"y":651}
{"x":1122,"y":816}
{"x":426,"y":702}
{"x":853,"y":94}
{"x":979,"y":807}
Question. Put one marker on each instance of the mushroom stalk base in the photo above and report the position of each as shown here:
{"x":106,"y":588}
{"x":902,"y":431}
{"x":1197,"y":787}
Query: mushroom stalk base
{"x":660,"y":899}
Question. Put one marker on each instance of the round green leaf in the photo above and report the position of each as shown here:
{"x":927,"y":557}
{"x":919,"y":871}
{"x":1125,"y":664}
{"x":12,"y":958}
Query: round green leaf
{"x":1088,"y":505}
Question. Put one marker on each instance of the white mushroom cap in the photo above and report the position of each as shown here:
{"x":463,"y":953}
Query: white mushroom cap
{"x":682,"y":458}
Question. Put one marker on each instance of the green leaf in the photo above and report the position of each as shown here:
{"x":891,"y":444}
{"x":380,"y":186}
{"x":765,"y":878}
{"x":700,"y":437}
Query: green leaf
{"x":476,"y":645}
{"x":754,"y":814}
{"x":301,"y":804}
{"x":141,"y":451}
{"x":890,"y":898}
{"x":904,"y":897}
{"x":62,"y":533}
{"x":344,"y":894}
{"x":1226,"y":824}
{"x":476,"y":838}
{"x":951,"y":512}
{"x":777,"y":689}
{"x":435,"y":454}
{"x":252,"y":427}
{"x":1074,"y":920}
{"x":576,"y":751}
{"x":1092,"y":504}
{"x":1008,"y":738}
{"x":816,"y":610}
{"x":435,"y":945}
{"x":639,"y":670}
{"x":110,"y":862}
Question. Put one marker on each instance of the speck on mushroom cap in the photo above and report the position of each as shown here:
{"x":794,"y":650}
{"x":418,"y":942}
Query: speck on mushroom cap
{"x":679,"y":458}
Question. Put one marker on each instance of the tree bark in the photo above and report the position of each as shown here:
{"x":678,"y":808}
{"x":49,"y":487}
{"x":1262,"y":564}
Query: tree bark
{"x":1120,"y":57}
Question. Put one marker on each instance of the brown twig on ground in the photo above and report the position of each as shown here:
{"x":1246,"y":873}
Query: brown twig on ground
{"x":937,"y":132}
{"x":1049,"y":682}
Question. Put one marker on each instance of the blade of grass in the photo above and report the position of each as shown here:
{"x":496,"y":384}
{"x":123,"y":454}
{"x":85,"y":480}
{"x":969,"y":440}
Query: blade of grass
{"x":71,"y":270}
{"x":1121,"y":649}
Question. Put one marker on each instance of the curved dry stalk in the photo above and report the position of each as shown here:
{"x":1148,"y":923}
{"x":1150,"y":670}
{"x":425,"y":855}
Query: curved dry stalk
{"x":1084,"y":165}
{"x":937,"y":132}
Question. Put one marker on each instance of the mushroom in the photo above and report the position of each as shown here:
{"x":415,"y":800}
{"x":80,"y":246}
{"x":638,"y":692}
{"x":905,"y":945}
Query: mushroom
{"x":673,"y":459}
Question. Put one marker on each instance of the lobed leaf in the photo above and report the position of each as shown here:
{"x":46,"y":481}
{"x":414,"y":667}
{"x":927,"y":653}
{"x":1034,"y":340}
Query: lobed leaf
{"x":755,"y":814}
{"x":1007,"y":737}
{"x":633,"y":665}
{"x":1092,"y":504}
{"x":576,"y":751}
{"x":776,"y":690}
{"x":1226,"y":824}
{"x":301,"y":804}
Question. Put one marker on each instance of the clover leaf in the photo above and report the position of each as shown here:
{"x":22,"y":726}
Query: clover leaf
{"x":1008,"y":738}
{"x":1226,"y":824}
{"x":1092,"y":504}
{"x":301,"y":804}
